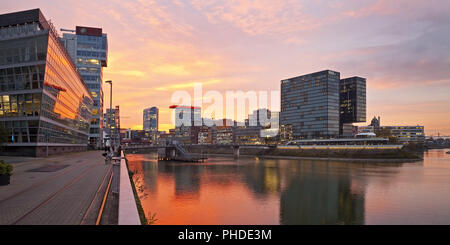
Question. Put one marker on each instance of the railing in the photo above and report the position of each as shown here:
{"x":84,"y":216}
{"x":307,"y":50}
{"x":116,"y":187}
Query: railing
{"x":181,"y":149}
{"x":19,"y":31}
{"x":128,"y":212}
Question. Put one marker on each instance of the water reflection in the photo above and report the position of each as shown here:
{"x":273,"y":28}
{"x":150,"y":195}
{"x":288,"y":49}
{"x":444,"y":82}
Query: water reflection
{"x":257,"y":191}
{"x":321,"y":199}
{"x":263,"y":177}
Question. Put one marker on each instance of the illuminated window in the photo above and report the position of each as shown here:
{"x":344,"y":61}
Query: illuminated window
{"x":93,"y":61}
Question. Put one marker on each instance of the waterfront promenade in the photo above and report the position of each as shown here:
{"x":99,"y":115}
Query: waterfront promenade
{"x":66,"y":189}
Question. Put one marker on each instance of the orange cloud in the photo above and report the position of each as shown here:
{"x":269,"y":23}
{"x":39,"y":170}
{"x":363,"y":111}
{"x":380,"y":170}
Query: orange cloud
{"x":171,"y":69}
{"x":134,"y":73}
{"x":187,"y":85}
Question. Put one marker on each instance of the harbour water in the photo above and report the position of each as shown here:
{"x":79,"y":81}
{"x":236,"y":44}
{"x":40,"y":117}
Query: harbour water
{"x":250,"y":191}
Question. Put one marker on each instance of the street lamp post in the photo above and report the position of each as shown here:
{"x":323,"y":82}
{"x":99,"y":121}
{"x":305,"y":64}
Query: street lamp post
{"x":46,"y":151}
{"x":116,"y":164}
{"x":110,"y":113}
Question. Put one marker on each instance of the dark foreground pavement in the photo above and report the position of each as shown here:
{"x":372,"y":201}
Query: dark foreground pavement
{"x":66,"y":189}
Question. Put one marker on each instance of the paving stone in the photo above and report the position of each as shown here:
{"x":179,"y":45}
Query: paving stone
{"x":59,"y":197}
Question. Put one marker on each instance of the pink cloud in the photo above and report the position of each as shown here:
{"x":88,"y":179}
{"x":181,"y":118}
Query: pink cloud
{"x":259,"y":17}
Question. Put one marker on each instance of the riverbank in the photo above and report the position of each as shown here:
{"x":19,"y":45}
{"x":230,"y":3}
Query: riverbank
{"x":357,"y":155}
{"x":381,"y":160}
{"x":379,"y":155}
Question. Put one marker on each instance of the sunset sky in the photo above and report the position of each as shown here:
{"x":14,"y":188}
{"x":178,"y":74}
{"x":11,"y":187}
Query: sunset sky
{"x":402,"y":47}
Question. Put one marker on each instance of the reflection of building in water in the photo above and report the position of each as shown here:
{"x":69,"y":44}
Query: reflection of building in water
{"x":150,"y":174}
{"x":145,"y":173}
{"x":321,"y":198}
{"x":187,"y":180}
{"x":263,"y":178}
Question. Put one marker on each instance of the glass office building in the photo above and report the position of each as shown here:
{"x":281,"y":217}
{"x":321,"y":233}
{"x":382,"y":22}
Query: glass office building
{"x":44,"y":103}
{"x":88,"y":48}
{"x":310,"y":105}
{"x":112,"y":119}
{"x":187,"y":116}
{"x":111,"y":125}
{"x":150,"y":119}
{"x":352,"y":95}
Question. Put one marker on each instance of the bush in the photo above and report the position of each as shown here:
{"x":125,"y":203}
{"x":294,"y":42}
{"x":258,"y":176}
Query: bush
{"x":5,"y":169}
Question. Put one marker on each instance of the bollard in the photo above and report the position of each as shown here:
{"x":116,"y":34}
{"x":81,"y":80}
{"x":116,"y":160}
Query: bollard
{"x":116,"y":177}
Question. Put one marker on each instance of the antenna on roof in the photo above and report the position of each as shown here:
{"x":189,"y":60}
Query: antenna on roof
{"x":66,"y":30}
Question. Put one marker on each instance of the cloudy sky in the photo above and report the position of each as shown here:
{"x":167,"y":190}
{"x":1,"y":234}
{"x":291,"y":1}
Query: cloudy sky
{"x":402,"y":47}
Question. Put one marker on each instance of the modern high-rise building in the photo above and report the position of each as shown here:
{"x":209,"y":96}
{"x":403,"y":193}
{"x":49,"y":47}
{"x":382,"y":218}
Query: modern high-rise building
{"x":88,"y":48}
{"x":321,"y":105}
{"x":44,"y":102}
{"x":260,"y":117}
{"x":111,"y":125}
{"x":187,"y":116}
{"x":150,"y":119}
{"x":188,"y":121}
{"x":267,"y":120}
{"x":352,"y":96}
{"x":310,"y":105}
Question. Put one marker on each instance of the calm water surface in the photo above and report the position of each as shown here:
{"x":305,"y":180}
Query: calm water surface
{"x":256,"y":191}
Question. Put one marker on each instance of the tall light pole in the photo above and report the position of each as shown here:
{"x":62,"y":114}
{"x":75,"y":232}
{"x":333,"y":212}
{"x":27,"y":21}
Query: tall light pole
{"x":110,"y":113}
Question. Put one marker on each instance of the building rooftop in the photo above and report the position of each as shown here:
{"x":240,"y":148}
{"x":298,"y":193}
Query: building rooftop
{"x":311,"y":74}
{"x":184,"y":107}
{"x":23,"y":17}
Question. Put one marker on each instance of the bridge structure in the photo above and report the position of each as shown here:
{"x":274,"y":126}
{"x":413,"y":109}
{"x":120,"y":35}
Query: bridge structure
{"x":175,"y":152}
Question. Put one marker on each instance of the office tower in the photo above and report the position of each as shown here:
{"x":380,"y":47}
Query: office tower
{"x":188,"y":121}
{"x":310,"y":105}
{"x":111,"y":125}
{"x":44,"y":102}
{"x":150,"y":119}
{"x":260,"y":117}
{"x":187,"y":116}
{"x":352,"y":97}
{"x":88,"y":48}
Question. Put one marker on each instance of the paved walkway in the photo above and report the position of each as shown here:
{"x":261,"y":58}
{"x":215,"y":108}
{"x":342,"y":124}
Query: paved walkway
{"x":58,"y":190}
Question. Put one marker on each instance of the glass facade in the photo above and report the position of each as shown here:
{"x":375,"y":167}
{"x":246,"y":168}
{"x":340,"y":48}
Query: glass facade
{"x":310,"y":105}
{"x":112,"y":121}
{"x":352,"y":108}
{"x":43,"y":100}
{"x":88,"y":48}
{"x":187,"y":116}
{"x":353,"y":100}
{"x":150,"y":119}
